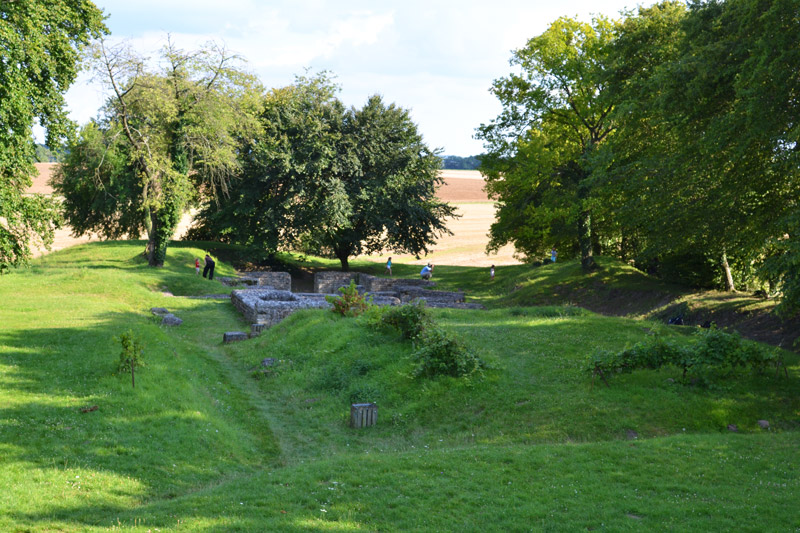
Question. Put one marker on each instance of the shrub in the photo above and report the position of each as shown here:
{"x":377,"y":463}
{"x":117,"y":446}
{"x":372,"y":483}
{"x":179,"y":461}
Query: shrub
{"x":441,"y":354}
{"x":410,"y":319}
{"x":350,"y":302}
{"x":131,"y":354}
{"x":711,"y":353}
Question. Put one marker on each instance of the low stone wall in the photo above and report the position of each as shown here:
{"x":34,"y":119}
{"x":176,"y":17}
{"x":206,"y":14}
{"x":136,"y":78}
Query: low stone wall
{"x":269,"y":306}
{"x":407,"y":294}
{"x":281,"y":281}
{"x":329,"y":282}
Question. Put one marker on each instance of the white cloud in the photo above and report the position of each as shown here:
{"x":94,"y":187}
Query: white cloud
{"x":436,"y":57}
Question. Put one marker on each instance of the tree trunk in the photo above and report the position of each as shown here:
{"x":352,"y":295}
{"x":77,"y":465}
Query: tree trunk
{"x":726,"y":268}
{"x":585,"y":240}
{"x":164,"y":221}
{"x":342,"y":255}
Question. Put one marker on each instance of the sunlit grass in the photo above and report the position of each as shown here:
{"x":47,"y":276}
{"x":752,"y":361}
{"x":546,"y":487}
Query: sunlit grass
{"x":209,"y":441}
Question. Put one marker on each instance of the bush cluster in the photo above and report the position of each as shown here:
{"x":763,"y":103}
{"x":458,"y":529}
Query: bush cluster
{"x":411,"y":320}
{"x":442,"y":354}
{"x":437,"y":353}
{"x":710,"y":354}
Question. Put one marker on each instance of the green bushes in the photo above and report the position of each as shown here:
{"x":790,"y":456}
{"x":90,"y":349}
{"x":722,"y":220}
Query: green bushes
{"x":437,"y":353}
{"x":441,"y":354}
{"x":350,"y":302}
{"x":410,"y":320}
{"x":709,"y":355}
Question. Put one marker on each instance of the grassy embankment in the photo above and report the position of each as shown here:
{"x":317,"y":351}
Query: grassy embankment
{"x":210,"y":441}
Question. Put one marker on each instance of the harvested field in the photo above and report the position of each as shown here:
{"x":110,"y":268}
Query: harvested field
{"x":463,"y":188}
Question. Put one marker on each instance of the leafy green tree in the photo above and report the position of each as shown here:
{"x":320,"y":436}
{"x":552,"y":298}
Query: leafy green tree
{"x":392,"y":190}
{"x":335,"y":180}
{"x":40,"y":48}
{"x":540,"y":147}
{"x":290,"y":182}
{"x":167,"y":138}
{"x":697,"y":162}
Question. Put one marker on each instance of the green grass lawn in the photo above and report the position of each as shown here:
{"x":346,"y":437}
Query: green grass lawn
{"x":210,"y":440}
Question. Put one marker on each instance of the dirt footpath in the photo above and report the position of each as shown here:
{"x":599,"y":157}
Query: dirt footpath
{"x":462,"y":188}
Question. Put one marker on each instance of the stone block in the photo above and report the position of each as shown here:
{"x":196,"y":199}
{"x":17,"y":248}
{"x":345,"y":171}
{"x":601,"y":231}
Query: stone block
{"x":160,"y":311}
{"x":171,"y":320}
{"x":233,"y":336}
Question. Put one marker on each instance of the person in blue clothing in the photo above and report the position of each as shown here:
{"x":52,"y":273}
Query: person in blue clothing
{"x":389,"y":267}
{"x":427,"y":271}
{"x":553,"y":254}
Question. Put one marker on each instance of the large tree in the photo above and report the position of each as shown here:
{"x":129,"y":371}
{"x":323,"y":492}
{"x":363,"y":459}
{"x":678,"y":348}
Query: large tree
{"x":40,"y":48}
{"x":332,"y":180}
{"x":539,"y":149}
{"x":166,"y":139}
{"x":705,"y":155}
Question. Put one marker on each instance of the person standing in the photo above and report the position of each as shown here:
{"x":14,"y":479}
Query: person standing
{"x":491,"y":273}
{"x":197,"y":266}
{"x":389,"y":267}
{"x":553,"y":254}
{"x":209,"y":268}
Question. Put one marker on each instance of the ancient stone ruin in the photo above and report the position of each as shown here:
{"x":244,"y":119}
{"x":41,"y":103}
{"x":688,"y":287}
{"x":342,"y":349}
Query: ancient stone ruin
{"x":271,"y":300}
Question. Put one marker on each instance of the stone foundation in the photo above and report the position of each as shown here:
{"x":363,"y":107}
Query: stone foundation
{"x":268,"y":305}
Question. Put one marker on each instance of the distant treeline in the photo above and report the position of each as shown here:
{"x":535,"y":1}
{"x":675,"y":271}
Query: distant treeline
{"x":454,"y":162}
{"x":45,"y":155}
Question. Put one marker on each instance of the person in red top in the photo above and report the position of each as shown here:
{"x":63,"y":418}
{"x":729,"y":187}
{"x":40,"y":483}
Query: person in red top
{"x":197,"y":266}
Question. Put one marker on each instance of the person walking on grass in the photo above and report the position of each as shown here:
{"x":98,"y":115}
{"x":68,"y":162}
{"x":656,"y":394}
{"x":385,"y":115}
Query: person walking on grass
{"x":209,"y":268}
{"x":389,"y":267}
{"x":491,"y":273}
{"x":197,"y":266}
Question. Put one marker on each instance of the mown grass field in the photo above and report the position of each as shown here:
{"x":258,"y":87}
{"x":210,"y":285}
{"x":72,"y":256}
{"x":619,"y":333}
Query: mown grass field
{"x":211,"y":440}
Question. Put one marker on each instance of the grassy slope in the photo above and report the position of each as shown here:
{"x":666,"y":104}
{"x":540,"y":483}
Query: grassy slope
{"x":208,"y":441}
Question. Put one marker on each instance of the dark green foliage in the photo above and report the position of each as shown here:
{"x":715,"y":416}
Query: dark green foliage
{"x":709,"y":355}
{"x":130,"y":357}
{"x":441,"y":354}
{"x":411,"y":320}
{"x":350,"y":302}
{"x":331,"y":181}
{"x":40,"y":50}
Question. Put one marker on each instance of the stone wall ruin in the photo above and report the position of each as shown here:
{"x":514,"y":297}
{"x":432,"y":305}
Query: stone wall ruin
{"x":267,"y":305}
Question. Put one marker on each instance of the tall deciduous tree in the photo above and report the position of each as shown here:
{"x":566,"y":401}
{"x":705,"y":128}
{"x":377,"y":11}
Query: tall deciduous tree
{"x":167,"y":138}
{"x":540,"y":147}
{"x":700,"y":162}
{"x":345,"y":181}
{"x":40,"y":47}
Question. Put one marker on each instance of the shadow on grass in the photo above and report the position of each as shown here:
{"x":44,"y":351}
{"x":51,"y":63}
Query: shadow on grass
{"x":64,"y":408}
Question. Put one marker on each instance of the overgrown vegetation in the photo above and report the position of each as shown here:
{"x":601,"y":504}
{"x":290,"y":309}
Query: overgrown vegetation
{"x":712,"y":355}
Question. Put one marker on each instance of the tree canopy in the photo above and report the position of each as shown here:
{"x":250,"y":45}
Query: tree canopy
{"x":539,"y":148}
{"x":40,"y":49}
{"x":332,"y":180}
{"x":674,"y":128}
{"x":167,"y":138}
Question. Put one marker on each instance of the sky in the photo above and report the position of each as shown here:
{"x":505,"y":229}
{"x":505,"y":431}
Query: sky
{"x":436,"y":58}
